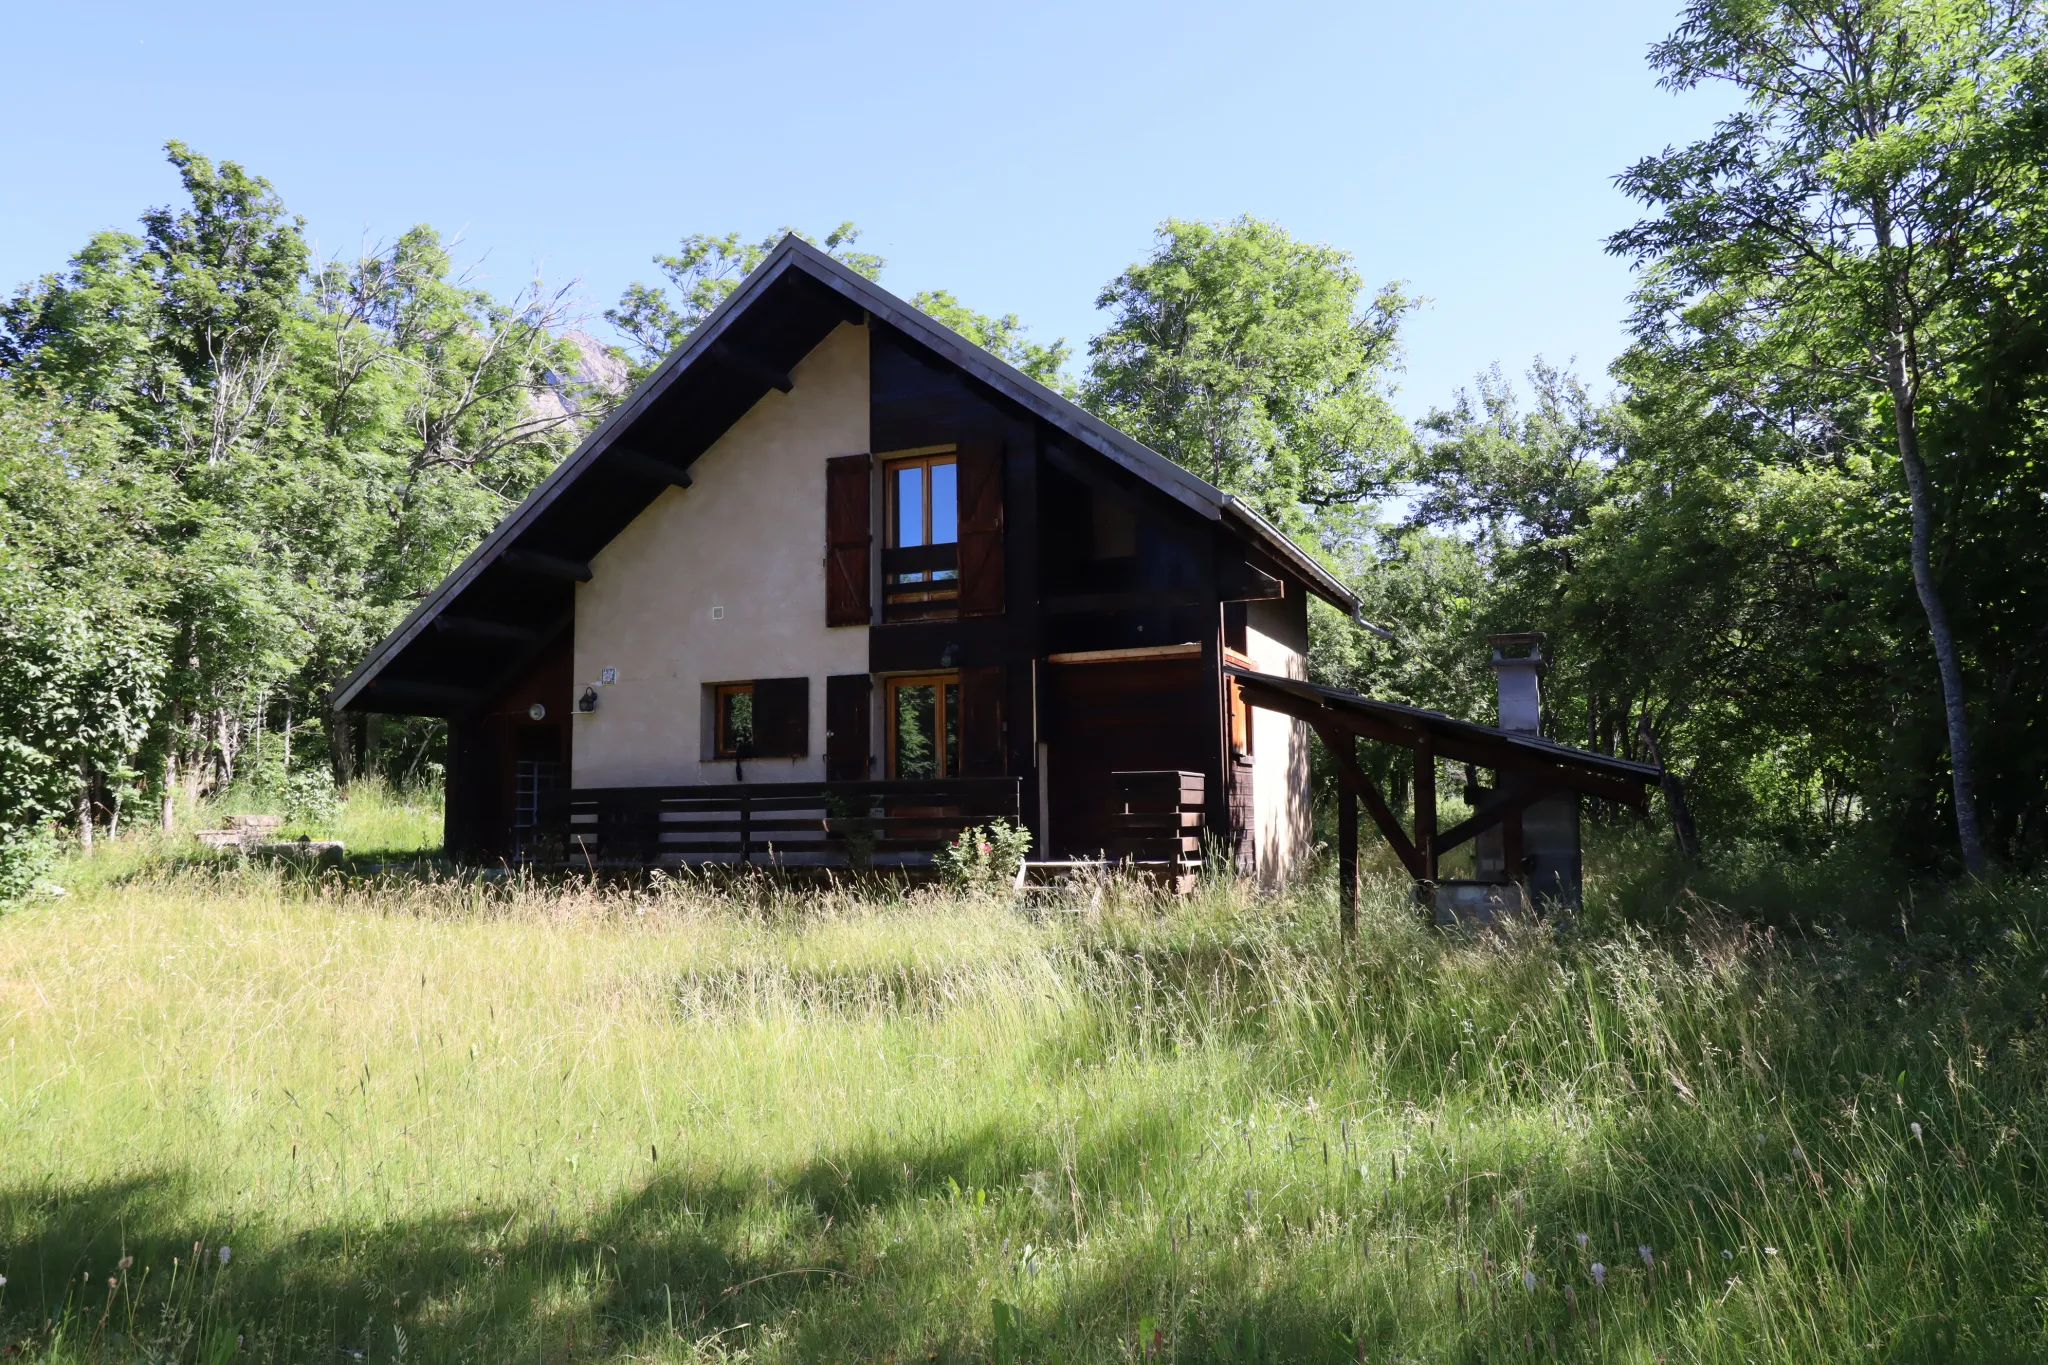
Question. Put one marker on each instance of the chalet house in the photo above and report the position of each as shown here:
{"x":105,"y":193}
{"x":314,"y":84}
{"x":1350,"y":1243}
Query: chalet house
{"x":833,"y":564}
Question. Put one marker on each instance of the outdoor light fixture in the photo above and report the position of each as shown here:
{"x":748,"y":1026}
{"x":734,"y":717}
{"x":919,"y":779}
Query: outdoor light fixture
{"x":588,"y":701}
{"x":536,"y":712}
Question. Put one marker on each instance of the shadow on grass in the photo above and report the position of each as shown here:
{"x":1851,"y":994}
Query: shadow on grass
{"x":896,"y":1249}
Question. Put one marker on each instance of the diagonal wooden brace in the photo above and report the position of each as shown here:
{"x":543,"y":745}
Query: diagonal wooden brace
{"x":1338,"y":743}
{"x":1491,"y":814}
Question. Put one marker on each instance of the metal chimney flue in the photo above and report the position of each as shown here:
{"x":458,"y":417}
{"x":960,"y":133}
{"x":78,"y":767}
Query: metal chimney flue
{"x":1518,"y":666}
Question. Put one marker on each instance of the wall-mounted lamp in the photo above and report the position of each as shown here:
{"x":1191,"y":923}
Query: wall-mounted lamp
{"x":588,"y":701}
{"x":536,"y":712}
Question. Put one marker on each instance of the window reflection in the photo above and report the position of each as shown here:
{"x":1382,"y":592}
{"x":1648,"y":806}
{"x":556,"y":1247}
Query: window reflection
{"x":924,"y":728}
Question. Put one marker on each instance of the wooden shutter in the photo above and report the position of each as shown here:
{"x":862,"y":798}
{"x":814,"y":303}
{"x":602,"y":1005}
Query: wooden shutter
{"x":849,"y":529}
{"x":847,"y":727}
{"x":782,"y":717}
{"x":981,"y":722}
{"x":981,"y":528}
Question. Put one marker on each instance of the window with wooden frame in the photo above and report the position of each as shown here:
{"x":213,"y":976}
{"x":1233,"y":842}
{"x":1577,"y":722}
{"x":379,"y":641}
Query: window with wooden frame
{"x":765,"y":718}
{"x":924,"y":727}
{"x":921,"y":547}
{"x":733,"y":719}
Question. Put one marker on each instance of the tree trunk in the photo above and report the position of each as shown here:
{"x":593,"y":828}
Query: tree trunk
{"x":85,"y":808}
{"x":373,"y":744}
{"x":341,"y":729}
{"x":1962,"y":772}
{"x":169,"y":815}
{"x":1674,"y":791}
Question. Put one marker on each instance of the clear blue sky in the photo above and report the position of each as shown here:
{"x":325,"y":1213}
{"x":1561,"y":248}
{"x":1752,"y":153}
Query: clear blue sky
{"x":1018,"y":155}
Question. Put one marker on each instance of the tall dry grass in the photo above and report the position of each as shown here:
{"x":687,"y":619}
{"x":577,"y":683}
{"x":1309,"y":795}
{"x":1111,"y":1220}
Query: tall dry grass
{"x":463,"y":1120}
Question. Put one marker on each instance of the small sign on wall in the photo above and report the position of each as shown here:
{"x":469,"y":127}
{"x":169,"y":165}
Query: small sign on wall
{"x":608,"y":676}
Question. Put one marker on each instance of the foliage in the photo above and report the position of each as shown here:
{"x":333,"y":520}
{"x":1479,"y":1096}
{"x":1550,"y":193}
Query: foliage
{"x":308,"y":797}
{"x":26,"y":857}
{"x":1246,"y":356}
{"x":1001,"y":337}
{"x":238,"y":467}
{"x":673,"y":1125}
{"x":81,"y":665}
{"x":704,"y":269}
{"x":984,"y":858}
{"x":1829,"y":241}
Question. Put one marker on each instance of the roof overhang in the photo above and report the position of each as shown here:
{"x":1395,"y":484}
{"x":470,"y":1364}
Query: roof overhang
{"x":1560,"y":765}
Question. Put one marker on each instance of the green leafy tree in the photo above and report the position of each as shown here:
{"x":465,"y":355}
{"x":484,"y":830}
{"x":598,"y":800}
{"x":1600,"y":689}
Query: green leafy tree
{"x":1830,"y":229}
{"x":1249,"y":357}
{"x":1522,"y":481}
{"x":1003,"y":337}
{"x":81,"y":640}
{"x":703,"y":270}
{"x":321,"y":442}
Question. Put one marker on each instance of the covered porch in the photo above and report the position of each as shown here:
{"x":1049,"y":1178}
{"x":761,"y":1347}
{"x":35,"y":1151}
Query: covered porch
{"x":1528,"y":770}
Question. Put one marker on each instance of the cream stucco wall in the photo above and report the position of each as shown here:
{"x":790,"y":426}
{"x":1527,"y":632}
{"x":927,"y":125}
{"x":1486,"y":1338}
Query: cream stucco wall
{"x":1278,"y":644}
{"x":748,"y":536}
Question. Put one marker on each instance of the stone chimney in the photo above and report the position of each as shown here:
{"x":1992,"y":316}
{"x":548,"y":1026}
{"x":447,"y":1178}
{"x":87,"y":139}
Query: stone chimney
{"x":1518,"y":665}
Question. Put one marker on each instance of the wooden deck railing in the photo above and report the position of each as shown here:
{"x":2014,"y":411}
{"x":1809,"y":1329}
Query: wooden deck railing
{"x":851,"y":825}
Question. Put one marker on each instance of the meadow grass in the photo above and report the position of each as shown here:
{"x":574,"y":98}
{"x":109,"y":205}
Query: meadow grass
{"x":251,"y":1113}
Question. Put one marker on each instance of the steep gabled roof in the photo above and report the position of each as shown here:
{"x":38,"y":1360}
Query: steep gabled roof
{"x":524,"y":569}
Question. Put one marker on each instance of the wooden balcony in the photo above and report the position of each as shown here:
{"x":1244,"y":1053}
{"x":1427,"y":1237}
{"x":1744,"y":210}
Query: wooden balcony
{"x":852,"y":826}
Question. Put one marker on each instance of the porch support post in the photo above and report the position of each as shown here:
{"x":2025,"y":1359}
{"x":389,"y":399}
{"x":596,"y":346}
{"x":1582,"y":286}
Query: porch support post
{"x":1425,"y":809}
{"x":1347,"y":848}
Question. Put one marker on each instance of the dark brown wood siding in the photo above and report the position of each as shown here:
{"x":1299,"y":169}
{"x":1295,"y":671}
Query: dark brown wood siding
{"x":981,"y":722}
{"x":1104,"y":718}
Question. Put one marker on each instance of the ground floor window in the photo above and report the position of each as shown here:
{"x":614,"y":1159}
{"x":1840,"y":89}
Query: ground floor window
{"x":735,"y":720}
{"x":924,"y":727}
{"x":765,"y":718}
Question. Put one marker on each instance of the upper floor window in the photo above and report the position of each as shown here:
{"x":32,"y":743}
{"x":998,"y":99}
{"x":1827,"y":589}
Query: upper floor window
{"x":921,"y":554}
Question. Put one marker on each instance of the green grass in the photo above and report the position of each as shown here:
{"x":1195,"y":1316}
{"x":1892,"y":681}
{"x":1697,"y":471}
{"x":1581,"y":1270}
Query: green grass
{"x":458,"y":1121}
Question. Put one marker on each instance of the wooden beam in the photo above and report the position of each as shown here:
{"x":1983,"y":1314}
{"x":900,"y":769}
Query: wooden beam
{"x":1237,"y":581}
{"x":1502,"y":758}
{"x":1347,"y":855}
{"x":476,"y":628}
{"x":1375,"y":804}
{"x":751,"y":365}
{"x":424,"y":691}
{"x":1511,"y":845}
{"x":537,"y":565}
{"x":1192,"y":649}
{"x":517,"y":666}
{"x":646,"y":467}
{"x":1425,"y":808}
{"x":1318,"y":714}
{"x":1155,"y":599}
{"x":1490,"y":814}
